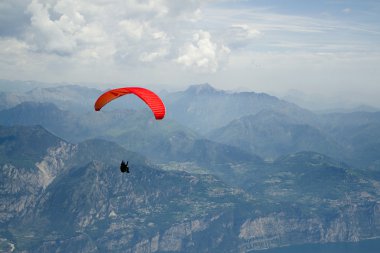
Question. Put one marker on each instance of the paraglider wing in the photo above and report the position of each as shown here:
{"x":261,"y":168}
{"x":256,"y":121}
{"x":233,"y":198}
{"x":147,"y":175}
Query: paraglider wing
{"x":149,"y":97}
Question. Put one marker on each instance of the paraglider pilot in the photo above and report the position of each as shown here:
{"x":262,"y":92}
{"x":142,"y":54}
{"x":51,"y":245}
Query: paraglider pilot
{"x":124,"y":167}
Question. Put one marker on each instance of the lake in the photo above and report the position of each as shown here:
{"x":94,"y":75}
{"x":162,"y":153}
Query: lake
{"x":367,"y":246}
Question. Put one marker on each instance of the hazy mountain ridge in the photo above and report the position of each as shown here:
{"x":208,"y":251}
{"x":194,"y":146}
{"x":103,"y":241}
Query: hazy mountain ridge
{"x":268,"y":133}
{"x":204,"y":108}
{"x":66,"y":97}
{"x":271,"y":134}
{"x":326,"y":104}
{"x":257,"y":123}
{"x":201,"y":106}
{"x":278,"y":127}
{"x":21,"y":86}
{"x":352,"y":137}
{"x":359,"y":133}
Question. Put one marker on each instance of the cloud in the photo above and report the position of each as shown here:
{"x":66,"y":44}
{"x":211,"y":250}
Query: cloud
{"x":50,"y":35}
{"x":152,"y":56}
{"x":127,"y":31}
{"x":346,"y":10}
{"x":11,"y":50}
{"x":134,"y":29}
{"x":241,"y":35}
{"x":66,"y":40}
{"x":139,"y":41}
{"x":244,"y":31}
{"x":202,"y":54}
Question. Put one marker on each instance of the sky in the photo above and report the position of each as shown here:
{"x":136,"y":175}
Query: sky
{"x":325,"y":47}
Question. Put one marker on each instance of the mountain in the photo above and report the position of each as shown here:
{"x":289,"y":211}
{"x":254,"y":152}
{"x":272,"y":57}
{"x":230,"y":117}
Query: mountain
{"x":358,"y":133}
{"x":272,"y":134}
{"x":30,"y":158}
{"x":15,"y":145}
{"x":308,"y":176}
{"x":257,"y":123}
{"x":67,"y":97}
{"x":204,"y":108}
{"x":325,"y":104}
{"x":8,"y":100}
{"x":20,"y":86}
{"x":69,"y":125}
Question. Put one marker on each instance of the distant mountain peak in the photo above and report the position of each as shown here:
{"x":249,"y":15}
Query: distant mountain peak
{"x":201,"y":89}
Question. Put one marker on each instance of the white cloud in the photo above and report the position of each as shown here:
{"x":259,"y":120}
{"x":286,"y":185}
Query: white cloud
{"x":244,"y":31}
{"x":140,"y":42}
{"x":151,"y":56}
{"x":202,"y":54}
{"x":46,"y":34}
{"x":157,"y":8}
{"x":131,"y":31}
{"x":12,"y":52}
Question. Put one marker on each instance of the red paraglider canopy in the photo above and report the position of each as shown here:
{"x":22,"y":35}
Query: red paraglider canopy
{"x":149,"y":97}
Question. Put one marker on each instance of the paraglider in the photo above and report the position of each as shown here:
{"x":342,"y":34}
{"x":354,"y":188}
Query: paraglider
{"x":124,"y":167}
{"x":149,"y":97}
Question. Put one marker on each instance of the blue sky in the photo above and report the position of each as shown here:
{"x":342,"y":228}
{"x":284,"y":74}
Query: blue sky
{"x":330,"y":48}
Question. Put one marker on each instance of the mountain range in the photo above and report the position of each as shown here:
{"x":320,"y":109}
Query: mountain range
{"x":260,"y":124}
{"x":223,"y":172}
